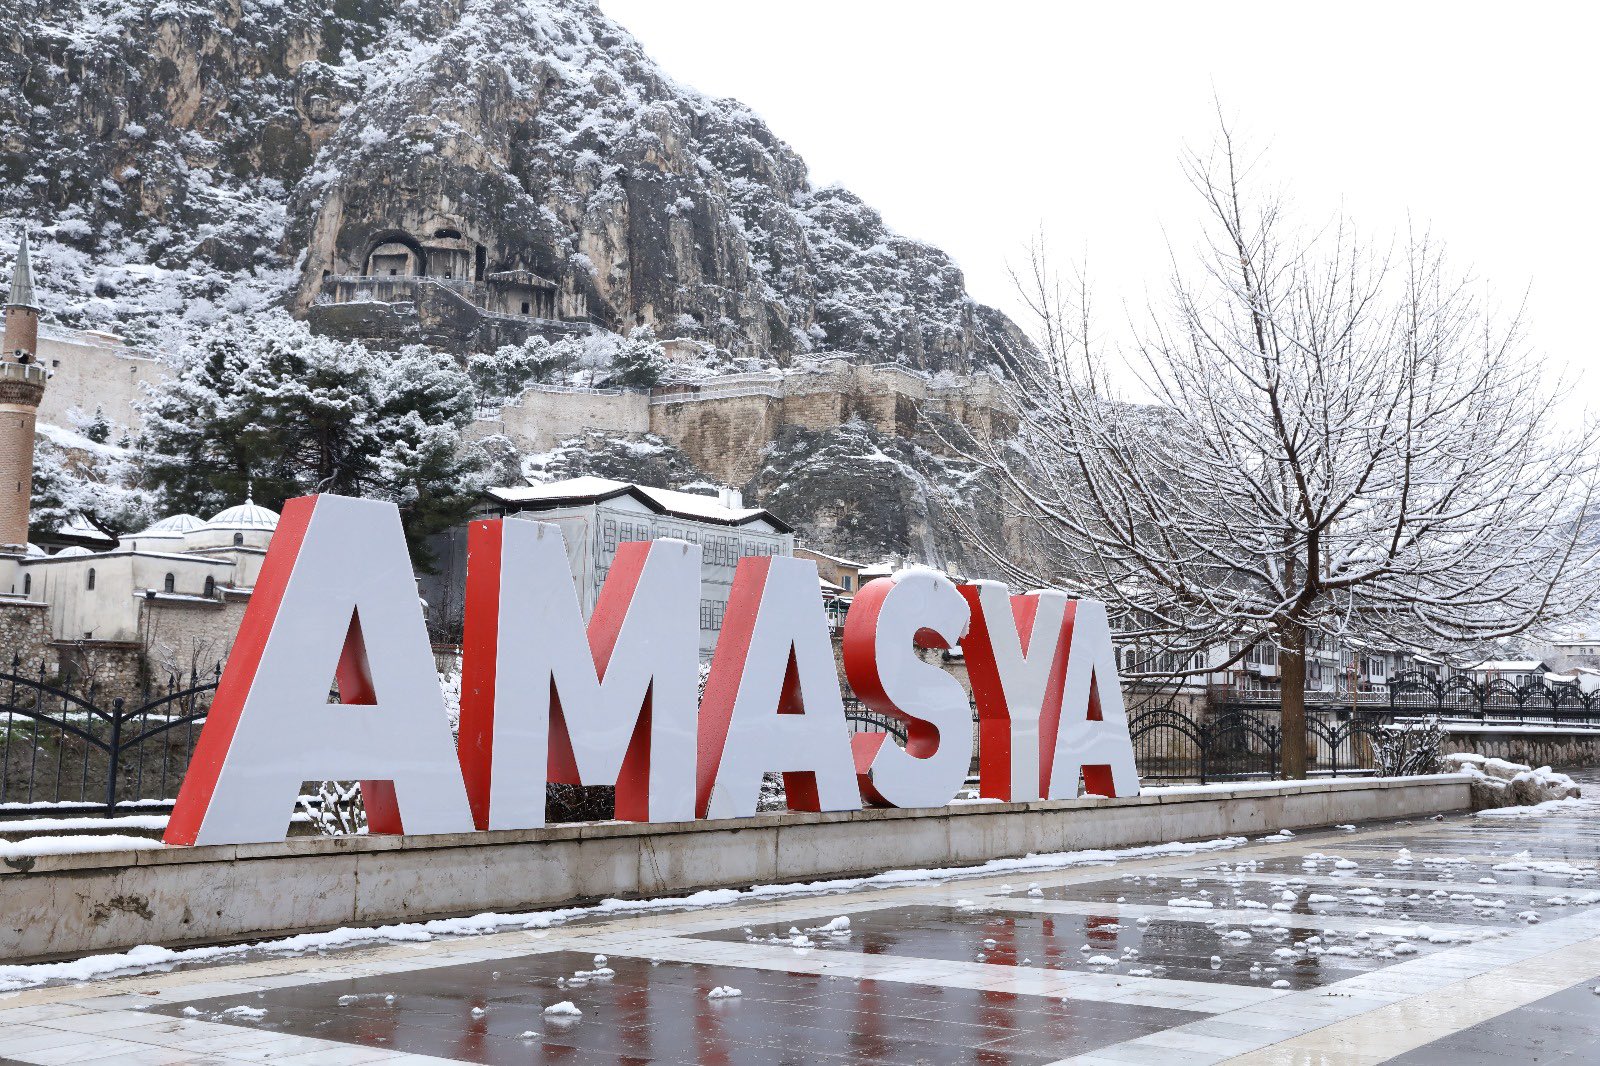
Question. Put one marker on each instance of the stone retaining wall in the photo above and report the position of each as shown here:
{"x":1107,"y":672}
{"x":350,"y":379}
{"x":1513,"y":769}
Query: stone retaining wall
{"x":62,"y":905}
{"x":1563,"y":750}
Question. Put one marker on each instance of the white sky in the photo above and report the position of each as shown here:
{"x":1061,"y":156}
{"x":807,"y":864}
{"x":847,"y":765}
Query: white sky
{"x":971,"y":125}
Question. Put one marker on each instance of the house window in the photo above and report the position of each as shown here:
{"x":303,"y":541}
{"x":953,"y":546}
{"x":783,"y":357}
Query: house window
{"x":90,"y":584}
{"x":27,"y":584}
{"x":526,"y":307}
{"x":844,"y":581}
{"x":238,"y":539}
{"x":170,"y":584}
{"x":211,"y":586}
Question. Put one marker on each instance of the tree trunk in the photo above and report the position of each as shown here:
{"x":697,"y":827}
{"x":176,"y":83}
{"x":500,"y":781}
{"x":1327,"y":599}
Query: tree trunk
{"x":1292,"y":694}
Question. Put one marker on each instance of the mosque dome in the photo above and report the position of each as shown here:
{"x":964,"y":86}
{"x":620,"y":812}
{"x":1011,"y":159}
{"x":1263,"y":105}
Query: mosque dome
{"x":247,"y":515}
{"x":76,"y":549}
{"x":34,"y":549}
{"x":178,"y":523}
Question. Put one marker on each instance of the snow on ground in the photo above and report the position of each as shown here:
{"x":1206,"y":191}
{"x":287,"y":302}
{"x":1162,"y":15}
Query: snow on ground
{"x":34,"y":847}
{"x":56,"y":825}
{"x":1538,"y":810}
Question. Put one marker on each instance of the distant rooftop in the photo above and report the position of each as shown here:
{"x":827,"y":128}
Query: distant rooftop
{"x":663,"y":501}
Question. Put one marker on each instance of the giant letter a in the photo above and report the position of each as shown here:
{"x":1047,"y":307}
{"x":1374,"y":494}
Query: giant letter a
{"x":336,"y":599}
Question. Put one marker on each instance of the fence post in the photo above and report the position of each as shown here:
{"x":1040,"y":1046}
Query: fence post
{"x":113,"y":756}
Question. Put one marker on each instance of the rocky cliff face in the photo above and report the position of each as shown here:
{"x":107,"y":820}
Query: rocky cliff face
{"x":187,"y":158}
{"x":180,"y":161}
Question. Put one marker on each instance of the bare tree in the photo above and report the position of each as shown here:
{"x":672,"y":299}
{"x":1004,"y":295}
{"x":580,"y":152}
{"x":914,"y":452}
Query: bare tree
{"x":1328,"y":441}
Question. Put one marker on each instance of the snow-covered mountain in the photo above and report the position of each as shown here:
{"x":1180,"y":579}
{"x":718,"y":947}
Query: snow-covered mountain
{"x":187,"y":158}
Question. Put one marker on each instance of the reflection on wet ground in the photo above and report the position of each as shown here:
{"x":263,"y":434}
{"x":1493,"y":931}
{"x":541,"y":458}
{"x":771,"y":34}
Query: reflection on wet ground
{"x":636,"y":1011}
{"x":1101,"y":943}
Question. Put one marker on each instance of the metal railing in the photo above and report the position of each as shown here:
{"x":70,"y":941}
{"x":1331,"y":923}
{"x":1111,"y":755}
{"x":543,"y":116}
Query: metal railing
{"x":68,"y":749}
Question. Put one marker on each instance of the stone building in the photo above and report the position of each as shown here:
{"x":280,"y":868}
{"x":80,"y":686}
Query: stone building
{"x":597,"y":514}
{"x":444,"y":290}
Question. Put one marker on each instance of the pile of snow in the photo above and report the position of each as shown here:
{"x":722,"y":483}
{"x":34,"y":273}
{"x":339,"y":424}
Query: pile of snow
{"x":1497,"y":783}
{"x":34,"y":847}
{"x":724,"y":992}
{"x":565,"y":1009}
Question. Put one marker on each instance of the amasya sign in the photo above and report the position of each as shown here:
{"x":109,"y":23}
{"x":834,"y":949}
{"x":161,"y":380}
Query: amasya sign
{"x":545,"y":698}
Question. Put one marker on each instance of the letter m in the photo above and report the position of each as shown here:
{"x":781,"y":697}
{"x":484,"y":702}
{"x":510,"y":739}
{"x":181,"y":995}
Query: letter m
{"x":543,"y":700}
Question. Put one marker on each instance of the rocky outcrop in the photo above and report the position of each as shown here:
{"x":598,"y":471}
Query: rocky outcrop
{"x":199,"y":156}
{"x":186,"y":160}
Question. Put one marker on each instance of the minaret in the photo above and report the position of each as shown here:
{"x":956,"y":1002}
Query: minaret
{"x":21,"y":388}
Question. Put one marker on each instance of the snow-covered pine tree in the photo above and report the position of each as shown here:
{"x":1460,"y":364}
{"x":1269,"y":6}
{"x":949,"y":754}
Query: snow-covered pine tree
{"x":264,"y":404}
{"x":102,"y":484}
{"x":639,"y":360}
{"x":500,"y":376}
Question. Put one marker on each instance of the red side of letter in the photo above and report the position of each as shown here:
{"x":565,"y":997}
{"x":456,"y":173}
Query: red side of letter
{"x":727,"y":673}
{"x":480,"y":638}
{"x":988,"y":692}
{"x":216,"y":736}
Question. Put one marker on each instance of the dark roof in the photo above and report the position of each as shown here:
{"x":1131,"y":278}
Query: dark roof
{"x":661,"y":501}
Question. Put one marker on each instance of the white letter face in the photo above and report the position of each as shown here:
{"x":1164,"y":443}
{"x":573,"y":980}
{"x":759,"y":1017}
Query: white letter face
{"x":336,"y":596}
{"x":613,"y":705}
{"x":772,"y":702}
{"x":1092,"y":738}
{"x":887,"y":621}
{"x":1010,"y":681}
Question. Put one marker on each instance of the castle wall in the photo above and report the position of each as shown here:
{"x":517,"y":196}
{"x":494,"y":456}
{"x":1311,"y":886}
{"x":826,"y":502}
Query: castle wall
{"x":724,"y":437}
{"x":540,"y":420}
{"x":724,"y":427}
{"x":90,"y":370}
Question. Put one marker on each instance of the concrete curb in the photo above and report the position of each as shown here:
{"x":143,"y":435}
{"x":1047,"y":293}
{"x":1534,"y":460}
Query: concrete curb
{"x":64,"y":905}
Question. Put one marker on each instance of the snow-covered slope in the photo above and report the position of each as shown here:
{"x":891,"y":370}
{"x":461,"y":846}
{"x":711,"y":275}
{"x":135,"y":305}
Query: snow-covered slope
{"x":187,"y":158}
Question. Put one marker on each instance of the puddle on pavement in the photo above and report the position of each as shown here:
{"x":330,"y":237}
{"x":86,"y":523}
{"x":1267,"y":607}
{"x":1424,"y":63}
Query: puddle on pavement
{"x":662,"y":1013}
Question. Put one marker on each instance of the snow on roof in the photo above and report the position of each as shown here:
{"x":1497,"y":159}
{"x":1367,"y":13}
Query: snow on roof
{"x":178,"y":523}
{"x":841,"y":560}
{"x":589,"y":489}
{"x":172,"y":527}
{"x":79,"y":526}
{"x":246,"y":515}
{"x":1504,"y":666}
{"x":877,"y":570}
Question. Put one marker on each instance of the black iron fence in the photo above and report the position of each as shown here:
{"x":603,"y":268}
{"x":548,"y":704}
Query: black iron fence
{"x":1498,"y":700}
{"x":71,"y":747}
{"x":75,"y":748}
{"x":1171,"y":745}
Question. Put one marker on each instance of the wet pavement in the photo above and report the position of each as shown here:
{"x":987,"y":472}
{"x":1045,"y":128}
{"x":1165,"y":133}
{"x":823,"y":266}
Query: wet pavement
{"x":1471,"y":939}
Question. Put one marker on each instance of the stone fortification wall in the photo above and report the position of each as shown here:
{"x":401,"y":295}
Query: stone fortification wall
{"x":723,"y":424}
{"x":724,"y":437}
{"x":543,"y":417}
